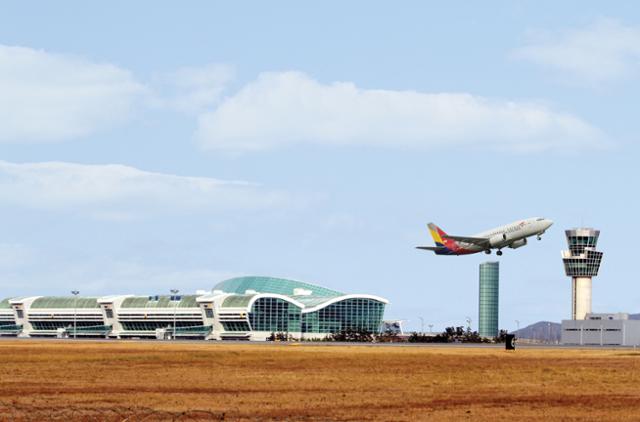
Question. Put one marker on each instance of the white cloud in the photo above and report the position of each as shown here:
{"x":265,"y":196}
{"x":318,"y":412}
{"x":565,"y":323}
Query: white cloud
{"x":291,"y":108}
{"x":51,"y":97}
{"x":192,"y":89}
{"x":116,"y":192}
{"x":605,"y":50}
{"x":48,"y":97}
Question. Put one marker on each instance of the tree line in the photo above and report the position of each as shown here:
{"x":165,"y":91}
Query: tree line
{"x":449,"y":335}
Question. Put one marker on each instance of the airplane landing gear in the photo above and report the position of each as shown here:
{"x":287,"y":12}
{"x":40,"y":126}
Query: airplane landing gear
{"x":499,"y":253}
{"x":539,"y":237}
{"x":488,"y":251}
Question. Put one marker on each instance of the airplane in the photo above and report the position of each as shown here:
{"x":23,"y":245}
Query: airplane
{"x":512,"y":235}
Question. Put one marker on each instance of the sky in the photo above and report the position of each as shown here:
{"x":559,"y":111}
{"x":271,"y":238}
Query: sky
{"x":148,"y":145}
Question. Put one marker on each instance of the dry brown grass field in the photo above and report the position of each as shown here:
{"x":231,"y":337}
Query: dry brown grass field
{"x":135,"y":381}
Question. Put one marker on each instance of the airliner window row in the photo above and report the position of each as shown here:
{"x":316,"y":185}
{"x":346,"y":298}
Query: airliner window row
{"x":507,"y":230}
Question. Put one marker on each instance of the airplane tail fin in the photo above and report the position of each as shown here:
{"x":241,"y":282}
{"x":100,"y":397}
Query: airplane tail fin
{"x":437,"y":233}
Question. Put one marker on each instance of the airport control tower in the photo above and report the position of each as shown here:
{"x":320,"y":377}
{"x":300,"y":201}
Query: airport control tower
{"x":581,"y":262}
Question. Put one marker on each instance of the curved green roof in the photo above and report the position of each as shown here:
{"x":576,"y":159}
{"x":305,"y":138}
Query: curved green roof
{"x":66,"y":302}
{"x":4,"y":304}
{"x":237,"y":301}
{"x":187,"y":301}
{"x":281,"y":286}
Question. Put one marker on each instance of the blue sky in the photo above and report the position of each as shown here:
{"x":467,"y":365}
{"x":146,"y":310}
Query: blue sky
{"x":149,"y":146}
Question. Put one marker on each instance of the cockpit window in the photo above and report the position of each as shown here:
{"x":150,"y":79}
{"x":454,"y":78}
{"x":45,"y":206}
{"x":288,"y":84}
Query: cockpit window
{"x":539,"y":219}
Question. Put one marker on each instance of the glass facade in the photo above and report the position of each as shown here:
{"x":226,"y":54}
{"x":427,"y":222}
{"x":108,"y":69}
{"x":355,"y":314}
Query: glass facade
{"x":10,"y":328}
{"x":586,"y":265}
{"x":55,"y":324}
{"x":578,"y":243}
{"x":236,"y":326}
{"x":488,"y":299}
{"x":195,"y":329}
{"x":582,"y":259}
{"x":357,"y":314}
{"x":275,"y":315}
{"x":153,"y":325}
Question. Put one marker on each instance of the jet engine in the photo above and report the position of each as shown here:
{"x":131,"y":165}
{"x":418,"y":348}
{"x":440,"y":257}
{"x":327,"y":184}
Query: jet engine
{"x":518,"y":243}
{"x":498,"y":240}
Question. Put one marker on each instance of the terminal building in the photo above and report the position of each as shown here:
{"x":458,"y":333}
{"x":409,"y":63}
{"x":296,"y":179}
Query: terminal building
{"x":244,"y":308}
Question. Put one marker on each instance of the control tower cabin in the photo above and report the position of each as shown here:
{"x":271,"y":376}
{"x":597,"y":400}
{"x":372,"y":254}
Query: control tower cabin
{"x":581,"y":263}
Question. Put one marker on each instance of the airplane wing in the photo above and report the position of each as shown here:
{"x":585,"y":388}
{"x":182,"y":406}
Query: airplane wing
{"x":480,"y":241}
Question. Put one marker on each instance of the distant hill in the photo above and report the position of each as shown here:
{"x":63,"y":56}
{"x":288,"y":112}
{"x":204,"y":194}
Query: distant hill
{"x":542,"y":331}
{"x":634,"y":316}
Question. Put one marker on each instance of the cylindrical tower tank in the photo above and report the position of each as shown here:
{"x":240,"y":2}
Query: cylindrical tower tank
{"x":488,"y":299}
{"x":581,"y":263}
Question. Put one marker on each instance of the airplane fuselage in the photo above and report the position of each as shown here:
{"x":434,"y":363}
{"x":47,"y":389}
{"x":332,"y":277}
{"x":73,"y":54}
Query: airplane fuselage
{"x":513,"y":235}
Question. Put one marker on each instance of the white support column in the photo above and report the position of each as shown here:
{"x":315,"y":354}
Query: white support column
{"x":573,"y":298}
{"x":581,"y":297}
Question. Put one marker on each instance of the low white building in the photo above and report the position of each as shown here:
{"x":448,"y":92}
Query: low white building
{"x":601,"y":330}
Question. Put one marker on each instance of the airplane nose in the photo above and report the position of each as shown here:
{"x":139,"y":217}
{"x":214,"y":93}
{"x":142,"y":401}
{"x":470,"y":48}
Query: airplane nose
{"x":549,"y":223}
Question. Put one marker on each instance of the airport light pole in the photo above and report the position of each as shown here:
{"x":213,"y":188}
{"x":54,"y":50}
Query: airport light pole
{"x":517,"y":325}
{"x":174,"y":292}
{"x":421,"y":324}
{"x":75,"y":312}
{"x":430,"y":328}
